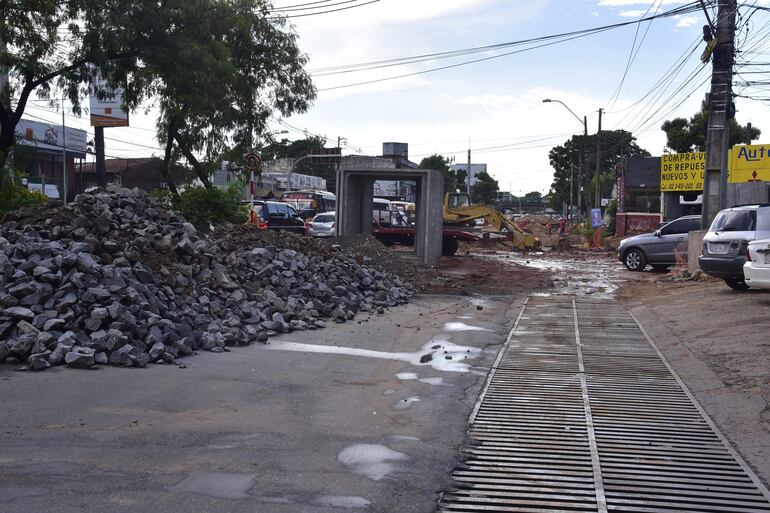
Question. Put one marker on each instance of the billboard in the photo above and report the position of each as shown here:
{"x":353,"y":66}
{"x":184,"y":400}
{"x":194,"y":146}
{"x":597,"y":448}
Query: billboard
{"x":682,"y":172}
{"x":109,"y":111}
{"x":48,"y":136}
{"x":750,"y":163}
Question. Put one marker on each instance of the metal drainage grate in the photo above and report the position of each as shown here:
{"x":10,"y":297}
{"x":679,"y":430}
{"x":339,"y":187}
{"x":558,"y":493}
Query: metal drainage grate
{"x":581,"y":413}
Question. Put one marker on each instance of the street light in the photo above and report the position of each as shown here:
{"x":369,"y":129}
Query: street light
{"x":584,"y":122}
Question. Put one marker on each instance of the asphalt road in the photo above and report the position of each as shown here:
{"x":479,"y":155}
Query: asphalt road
{"x":277,"y":428}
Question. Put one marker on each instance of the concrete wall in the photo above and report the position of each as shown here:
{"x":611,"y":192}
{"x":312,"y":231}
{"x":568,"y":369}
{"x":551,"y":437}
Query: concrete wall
{"x":355,"y":189}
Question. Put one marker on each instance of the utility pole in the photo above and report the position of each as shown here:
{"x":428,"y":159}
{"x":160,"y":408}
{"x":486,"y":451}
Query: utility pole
{"x":597,"y":176}
{"x":468,"y":177}
{"x":101,"y":172}
{"x":721,"y":112}
{"x":586,"y":174}
{"x":748,"y":133}
{"x":571,"y":189}
{"x":63,"y":152}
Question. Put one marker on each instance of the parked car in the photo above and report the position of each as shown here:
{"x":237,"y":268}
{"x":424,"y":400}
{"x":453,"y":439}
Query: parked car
{"x":279,"y":216}
{"x":726,"y":244}
{"x":322,"y":225}
{"x":658,"y":248}
{"x":756,"y":270}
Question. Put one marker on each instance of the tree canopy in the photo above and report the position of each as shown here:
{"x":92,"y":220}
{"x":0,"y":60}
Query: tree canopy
{"x":687,"y":135}
{"x":485,"y":190}
{"x":217,"y":69}
{"x":441,"y":163}
{"x":325,"y":168}
{"x":615,"y":145}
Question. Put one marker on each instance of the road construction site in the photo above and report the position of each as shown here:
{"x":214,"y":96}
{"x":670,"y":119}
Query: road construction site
{"x":352,"y":380}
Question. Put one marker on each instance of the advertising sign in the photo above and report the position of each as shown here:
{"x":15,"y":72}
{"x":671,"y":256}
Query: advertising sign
{"x":109,"y":111}
{"x":682,"y":172}
{"x":48,"y":136}
{"x":750,"y":164}
{"x":596,"y":217}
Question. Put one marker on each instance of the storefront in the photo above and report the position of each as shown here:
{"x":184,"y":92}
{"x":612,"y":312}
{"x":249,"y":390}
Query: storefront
{"x":49,"y":155}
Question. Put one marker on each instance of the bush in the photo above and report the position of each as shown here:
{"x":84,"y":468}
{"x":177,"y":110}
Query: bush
{"x":205,"y":207}
{"x":14,"y":196}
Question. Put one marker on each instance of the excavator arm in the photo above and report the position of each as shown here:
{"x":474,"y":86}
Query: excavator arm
{"x":457,"y":210}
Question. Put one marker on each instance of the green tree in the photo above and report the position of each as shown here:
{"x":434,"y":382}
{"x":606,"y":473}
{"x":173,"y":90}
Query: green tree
{"x":325,"y":168}
{"x":533,"y":197}
{"x":684,"y":136}
{"x":216,"y":68}
{"x":440,"y":163}
{"x":616,"y":145}
{"x":484,"y":191}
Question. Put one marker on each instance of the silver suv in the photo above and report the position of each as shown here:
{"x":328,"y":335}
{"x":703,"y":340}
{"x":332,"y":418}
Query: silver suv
{"x":659,"y":248}
{"x":726,"y":243}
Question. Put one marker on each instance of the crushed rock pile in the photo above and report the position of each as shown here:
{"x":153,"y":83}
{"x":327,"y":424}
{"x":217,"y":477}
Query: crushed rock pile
{"x":114,"y":279}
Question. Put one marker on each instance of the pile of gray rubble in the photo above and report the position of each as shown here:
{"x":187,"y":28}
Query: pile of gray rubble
{"x":114,"y":279}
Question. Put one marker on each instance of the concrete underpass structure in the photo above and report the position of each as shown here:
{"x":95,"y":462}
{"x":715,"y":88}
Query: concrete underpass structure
{"x":355,"y":190}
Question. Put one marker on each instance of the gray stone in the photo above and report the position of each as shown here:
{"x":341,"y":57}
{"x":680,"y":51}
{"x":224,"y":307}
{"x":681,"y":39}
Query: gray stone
{"x":23,"y":344}
{"x":157,"y":350}
{"x":54,"y":324}
{"x":26,"y":328}
{"x":57,"y":355}
{"x":101,"y":358}
{"x":19,"y":312}
{"x":79,"y":360}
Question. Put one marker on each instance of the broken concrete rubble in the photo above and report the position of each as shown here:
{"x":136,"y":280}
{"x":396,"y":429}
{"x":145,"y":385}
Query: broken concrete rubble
{"x":114,"y":278}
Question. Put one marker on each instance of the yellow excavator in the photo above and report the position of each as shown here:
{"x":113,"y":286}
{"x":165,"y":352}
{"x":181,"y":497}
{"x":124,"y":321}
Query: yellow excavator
{"x":458,"y":211}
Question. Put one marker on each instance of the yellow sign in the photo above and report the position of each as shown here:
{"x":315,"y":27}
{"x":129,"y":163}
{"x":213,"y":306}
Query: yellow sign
{"x":750,"y":164}
{"x":682,"y":172}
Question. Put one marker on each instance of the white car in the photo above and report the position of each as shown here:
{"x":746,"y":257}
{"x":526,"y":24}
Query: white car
{"x":756,"y":270}
{"x":321,"y":225}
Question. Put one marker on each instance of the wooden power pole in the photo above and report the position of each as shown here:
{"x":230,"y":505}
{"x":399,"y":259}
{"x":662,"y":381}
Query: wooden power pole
{"x":721,"y":112}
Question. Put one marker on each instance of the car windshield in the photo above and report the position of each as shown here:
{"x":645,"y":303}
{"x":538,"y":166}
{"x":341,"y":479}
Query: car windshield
{"x":735,"y":221}
{"x":323,"y":219}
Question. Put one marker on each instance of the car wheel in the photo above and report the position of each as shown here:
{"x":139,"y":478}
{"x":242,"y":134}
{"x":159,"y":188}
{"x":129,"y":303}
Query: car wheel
{"x":736,"y":284}
{"x":635,"y":260}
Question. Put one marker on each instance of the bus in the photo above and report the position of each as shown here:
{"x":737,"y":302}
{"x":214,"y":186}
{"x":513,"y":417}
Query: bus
{"x":310,"y":203}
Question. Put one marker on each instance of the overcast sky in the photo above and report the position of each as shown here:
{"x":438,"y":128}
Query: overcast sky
{"x":496,"y":105}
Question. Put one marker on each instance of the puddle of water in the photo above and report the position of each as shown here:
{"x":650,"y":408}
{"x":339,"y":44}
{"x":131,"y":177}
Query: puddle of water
{"x":406,"y":375}
{"x":466,"y":317}
{"x":370,"y":460}
{"x":389,"y":391}
{"x":461,"y":326}
{"x":441,"y":355}
{"x":405,"y":438}
{"x":405,"y":404}
{"x":343,"y":501}
{"x":216,"y":484}
{"x":432,"y":381}
{"x":595,"y":275}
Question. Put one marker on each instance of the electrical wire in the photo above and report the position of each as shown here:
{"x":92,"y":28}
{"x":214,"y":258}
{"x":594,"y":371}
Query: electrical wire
{"x":323,"y":12}
{"x":559,"y":38}
{"x":631,"y":55}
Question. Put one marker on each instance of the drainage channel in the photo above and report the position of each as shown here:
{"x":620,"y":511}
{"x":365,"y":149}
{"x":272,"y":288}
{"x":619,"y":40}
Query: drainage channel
{"x":582,"y":413}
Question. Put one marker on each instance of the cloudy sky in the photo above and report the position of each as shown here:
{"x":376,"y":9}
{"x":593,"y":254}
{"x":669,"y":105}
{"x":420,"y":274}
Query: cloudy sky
{"x":641,"y":74}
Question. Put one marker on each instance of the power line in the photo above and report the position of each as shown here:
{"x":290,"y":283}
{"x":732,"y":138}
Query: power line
{"x":497,"y":46}
{"x":560,"y":38}
{"x":324,"y":12}
{"x":632,"y":55}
